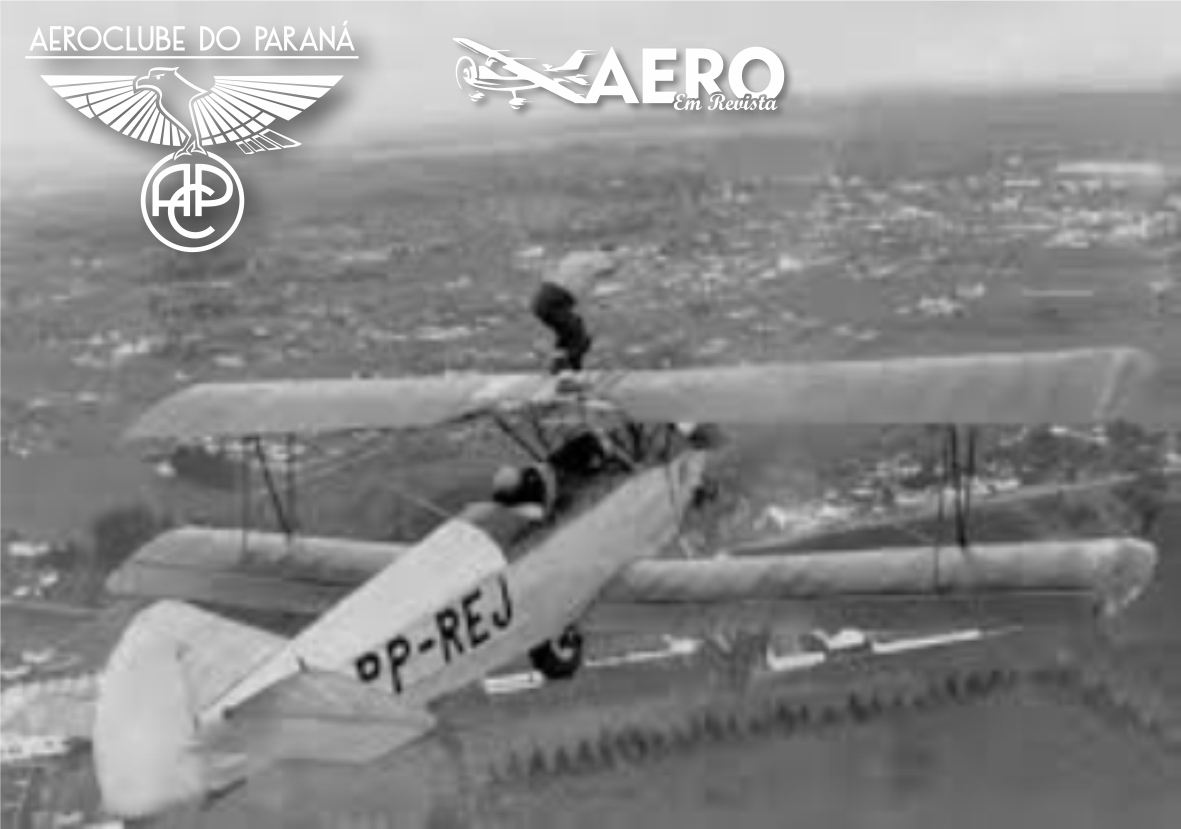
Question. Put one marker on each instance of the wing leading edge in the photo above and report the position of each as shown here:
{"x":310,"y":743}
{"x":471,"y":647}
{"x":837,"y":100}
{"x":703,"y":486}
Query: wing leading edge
{"x":319,"y":406}
{"x":1113,"y":568}
{"x":1081,"y":386}
{"x":893,"y":588}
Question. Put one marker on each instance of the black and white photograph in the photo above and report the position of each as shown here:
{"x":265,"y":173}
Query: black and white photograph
{"x":590,"y":414}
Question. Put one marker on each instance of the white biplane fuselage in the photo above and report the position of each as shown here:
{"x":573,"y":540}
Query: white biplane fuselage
{"x":192,"y":702}
{"x":453,"y":608}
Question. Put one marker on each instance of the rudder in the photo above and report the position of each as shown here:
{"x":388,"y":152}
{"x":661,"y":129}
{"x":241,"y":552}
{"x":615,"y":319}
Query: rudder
{"x":171,"y":660}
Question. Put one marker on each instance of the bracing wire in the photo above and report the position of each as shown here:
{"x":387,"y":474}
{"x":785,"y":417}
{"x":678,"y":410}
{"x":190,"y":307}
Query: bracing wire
{"x":246,"y":493}
{"x":941,"y":512}
{"x":420,"y":501}
{"x":289,"y":470}
{"x":959,"y":462}
{"x":272,"y":491}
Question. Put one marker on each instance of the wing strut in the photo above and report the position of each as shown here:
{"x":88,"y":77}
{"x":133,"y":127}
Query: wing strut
{"x":967,"y":478}
{"x":959,"y":474}
{"x":289,"y":469}
{"x":246,"y":498}
{"x":958,"y":462}
{"x":529,"y":449}
{"x":281,"y":516}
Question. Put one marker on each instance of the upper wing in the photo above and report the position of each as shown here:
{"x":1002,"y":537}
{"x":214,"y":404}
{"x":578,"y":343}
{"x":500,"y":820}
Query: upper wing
{"x":1083,"y":386}
{"x":243,"y":106}
{"x":311,"y":406}
{"x":987,"y":585}
{"x":118,"y":104}
{"x":1056,"y":387}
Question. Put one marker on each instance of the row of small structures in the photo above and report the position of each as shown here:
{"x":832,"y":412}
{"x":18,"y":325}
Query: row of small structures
{"x":1141,"y":710}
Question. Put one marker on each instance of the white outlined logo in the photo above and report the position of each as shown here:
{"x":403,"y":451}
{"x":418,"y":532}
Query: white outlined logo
{"x":203,"y":206}
{"x":192,"y":200}
{"x":494,"y":70}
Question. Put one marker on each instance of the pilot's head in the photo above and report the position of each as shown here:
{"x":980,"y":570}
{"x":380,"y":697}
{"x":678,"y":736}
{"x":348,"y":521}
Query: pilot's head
{"x":507,"y":484}
{"x":517,"y":485}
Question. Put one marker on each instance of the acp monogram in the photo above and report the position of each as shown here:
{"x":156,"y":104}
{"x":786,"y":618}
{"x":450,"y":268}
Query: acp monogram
{"x":192,"y":203}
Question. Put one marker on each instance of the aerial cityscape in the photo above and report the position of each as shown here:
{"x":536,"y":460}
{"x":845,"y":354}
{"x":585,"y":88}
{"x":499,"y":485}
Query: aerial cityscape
{"x":861,"y":228}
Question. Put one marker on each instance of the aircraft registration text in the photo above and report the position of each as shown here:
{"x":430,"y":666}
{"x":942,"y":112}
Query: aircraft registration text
{"x":434,"y":641}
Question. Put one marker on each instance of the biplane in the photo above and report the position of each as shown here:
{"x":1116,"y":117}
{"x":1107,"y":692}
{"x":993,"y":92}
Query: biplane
{"x":572,"y":541}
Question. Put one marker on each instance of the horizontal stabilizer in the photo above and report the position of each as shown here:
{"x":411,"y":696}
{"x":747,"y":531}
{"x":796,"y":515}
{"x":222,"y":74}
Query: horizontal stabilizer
{"x":317,"y":715}
{"x":257,"y":570}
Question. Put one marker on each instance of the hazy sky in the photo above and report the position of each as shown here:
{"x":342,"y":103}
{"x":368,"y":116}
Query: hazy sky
{"x":405,"y":78}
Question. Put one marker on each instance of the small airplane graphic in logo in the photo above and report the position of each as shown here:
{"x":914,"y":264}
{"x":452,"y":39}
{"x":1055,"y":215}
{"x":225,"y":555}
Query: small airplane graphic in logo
{"x":237,"y":110}
{"x":483,"y":78}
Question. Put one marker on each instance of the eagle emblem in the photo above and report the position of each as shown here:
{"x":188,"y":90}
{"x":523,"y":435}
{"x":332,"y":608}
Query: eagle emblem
{"x":163,"y":107}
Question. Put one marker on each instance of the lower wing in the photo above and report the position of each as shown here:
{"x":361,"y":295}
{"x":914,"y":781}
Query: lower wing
{"x":990,"y":585}
{"x":892,"y":588}
{"x":304,"y":575}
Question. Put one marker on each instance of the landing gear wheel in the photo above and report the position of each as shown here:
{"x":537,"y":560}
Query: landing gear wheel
{"x":559,"y":658}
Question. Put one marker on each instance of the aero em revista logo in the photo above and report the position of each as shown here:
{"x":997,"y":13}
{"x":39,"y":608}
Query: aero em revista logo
{"x":488,"y":71}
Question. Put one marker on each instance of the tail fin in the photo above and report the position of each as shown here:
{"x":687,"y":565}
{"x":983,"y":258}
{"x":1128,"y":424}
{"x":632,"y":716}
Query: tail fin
{"x":175,"y":663}
{"x":171,"y":660}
